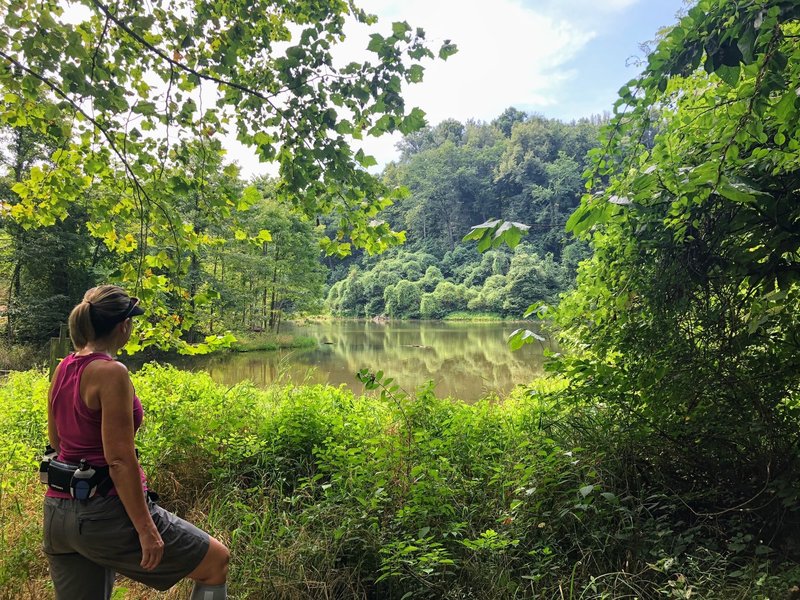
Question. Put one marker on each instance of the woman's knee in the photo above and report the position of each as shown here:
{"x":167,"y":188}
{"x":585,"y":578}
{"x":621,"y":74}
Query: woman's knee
{"x":224,"y":559}
{"x":213,"y":569}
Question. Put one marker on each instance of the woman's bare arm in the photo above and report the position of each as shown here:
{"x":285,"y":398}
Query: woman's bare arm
{"x":114,"y":388}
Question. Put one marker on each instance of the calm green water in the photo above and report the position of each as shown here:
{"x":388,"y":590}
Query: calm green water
{"x":465,"y":360}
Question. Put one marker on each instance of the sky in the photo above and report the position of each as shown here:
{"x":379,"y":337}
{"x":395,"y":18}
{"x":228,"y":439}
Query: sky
{"x":563,"y":59}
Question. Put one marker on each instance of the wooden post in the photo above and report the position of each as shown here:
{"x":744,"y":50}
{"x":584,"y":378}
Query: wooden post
{"x":59,"y":348}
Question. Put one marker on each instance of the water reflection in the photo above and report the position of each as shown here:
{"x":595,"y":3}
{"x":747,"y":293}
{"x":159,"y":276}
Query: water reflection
{"x":465,"y":360}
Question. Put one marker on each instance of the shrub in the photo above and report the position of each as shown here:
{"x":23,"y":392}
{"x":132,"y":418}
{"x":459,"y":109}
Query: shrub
{"x":320,"y":493}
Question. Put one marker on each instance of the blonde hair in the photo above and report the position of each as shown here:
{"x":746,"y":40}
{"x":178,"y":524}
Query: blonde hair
{"x":97,"y":314}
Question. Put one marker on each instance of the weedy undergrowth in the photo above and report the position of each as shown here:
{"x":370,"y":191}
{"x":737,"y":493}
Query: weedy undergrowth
{"x":323,"y":494}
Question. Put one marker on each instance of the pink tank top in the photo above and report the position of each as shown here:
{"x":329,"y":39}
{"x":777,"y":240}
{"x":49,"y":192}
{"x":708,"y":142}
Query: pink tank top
{"x":78,"y":426}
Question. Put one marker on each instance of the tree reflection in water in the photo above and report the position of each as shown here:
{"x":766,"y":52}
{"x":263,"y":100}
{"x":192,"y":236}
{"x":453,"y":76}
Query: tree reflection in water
{"x":466,"y":360}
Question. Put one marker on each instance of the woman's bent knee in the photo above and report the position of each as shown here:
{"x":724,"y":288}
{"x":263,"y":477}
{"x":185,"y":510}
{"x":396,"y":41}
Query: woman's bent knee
{"x":213,"y":569}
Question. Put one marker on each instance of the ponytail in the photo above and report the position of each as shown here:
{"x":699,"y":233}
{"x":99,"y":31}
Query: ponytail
{"x":80,"y":325}
{"x":97,"y":314}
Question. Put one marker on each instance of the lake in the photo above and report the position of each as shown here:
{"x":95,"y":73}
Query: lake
{"x":466,"y":360}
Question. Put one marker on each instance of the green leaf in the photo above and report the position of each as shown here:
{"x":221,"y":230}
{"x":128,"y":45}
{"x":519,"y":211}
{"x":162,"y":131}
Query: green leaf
{"x":736,"y":192}
{"x":365,"y":160}
{"x":20,"y":189}
{"x":584,"y":217}
{"x":447,"y":50}
{"x":93,"y":166}
{"x":785,"y":107}
{"x":729,"y":74}
{"x":412,"y":122}
{"x":416,"y":73}
{"x":250,"y":196}
{"x":144,"y":108}
{"x":376,"y":43}
{"x":400,"y":28}
{"x":521,"y":337}
{"x":730,"y":54}
{"x":538,"y":309}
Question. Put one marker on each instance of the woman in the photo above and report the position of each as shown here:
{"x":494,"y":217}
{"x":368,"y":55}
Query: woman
{"x":93,"y":414}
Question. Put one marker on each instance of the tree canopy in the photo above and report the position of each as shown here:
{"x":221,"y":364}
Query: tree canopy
{"x":523,"y":168}
{"x":686,"y":320}
{"x":124,"y":91}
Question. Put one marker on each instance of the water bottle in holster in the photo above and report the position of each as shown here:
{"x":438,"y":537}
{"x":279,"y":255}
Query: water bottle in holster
{"x":83,"y":484}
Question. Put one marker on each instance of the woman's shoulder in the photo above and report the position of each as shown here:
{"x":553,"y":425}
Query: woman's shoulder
{"x":108,"y":365}
{"x":106,"y":368}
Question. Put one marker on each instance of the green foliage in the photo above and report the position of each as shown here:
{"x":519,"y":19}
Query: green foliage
{"x":498,"y":282}
{"x":269,"y":270}
{"x":403,"y":299}
{"x":268,"y":342}
{"x":18,"y":357}
{"x":531,"y":279}
{"x":42,"y":271}
{"x":321,"y":493}
{"x":492,"y":234}
{"x":448,"y":297}
{"x":370,"y":293}
{"x":433,"y":276}
{"x":491,"y":296}
{"x":685,"y":323}
{"x":525,"y":170}
{"x":473,"y":316}
{"x":133,"y":102}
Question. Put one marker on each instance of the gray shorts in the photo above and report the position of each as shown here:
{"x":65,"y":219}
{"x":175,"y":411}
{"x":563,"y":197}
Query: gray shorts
{"x":88,"y":542}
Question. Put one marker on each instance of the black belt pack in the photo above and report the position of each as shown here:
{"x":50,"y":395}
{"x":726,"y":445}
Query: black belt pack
{"x":81,"y":481}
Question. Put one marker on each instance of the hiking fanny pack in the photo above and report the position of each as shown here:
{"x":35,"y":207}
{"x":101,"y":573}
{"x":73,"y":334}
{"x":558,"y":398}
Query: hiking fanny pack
{"x":82,"y":481}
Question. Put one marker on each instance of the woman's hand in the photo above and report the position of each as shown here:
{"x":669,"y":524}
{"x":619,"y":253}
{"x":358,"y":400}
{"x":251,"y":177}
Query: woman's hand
{"x":152,"y":548}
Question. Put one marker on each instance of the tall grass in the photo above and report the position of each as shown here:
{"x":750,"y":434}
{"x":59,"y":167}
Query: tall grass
{"x":474,"y":316}
{"x":323,"y":494}
{"x":21,"y":357}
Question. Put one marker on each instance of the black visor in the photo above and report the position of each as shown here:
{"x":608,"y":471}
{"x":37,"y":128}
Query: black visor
{"x":102,"y":327}
{"x":134,"y":310}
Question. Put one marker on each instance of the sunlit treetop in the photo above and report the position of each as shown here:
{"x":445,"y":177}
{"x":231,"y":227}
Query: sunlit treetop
{"x":715,"y":112}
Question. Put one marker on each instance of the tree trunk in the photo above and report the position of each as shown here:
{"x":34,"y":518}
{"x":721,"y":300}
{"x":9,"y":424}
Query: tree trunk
{"x":12,"y":289}
{"x":211,"y":308}
{"x":222,"y":281}
{"x":274,"y":291}
{"x":264,"y":320}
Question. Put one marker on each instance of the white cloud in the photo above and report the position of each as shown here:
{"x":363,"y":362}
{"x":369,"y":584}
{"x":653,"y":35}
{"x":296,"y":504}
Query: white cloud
{"x":613,"y":5}
{"x":586,"y":9}
{"x":509,"y":55}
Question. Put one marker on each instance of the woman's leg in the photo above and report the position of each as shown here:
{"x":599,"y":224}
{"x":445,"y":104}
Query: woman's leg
{"x":212,"y":572}
{"x":77,"y":578}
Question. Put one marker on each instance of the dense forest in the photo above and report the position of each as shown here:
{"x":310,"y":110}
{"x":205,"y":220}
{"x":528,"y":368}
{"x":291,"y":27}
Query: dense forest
{"x":658,"y":458}
{"x":260,"y":261}
{"x":256,"y":259}
{"x":520,"y":168}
